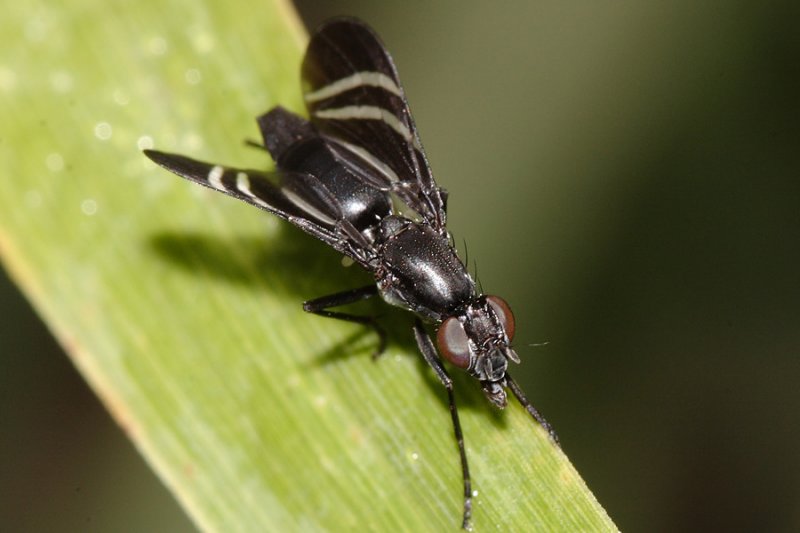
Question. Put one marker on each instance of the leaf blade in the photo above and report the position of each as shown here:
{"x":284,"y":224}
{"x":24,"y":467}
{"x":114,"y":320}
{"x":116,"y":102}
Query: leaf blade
{"x":181,"y":307}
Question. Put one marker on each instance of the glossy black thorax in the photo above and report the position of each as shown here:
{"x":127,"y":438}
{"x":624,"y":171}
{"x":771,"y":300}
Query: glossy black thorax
{"x":419,"y":270}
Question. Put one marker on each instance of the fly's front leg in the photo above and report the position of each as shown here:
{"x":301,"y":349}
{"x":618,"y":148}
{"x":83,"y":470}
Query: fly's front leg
{"x":523,"y":400}
{"x":432,"y":358}
{"x":320,"y":306}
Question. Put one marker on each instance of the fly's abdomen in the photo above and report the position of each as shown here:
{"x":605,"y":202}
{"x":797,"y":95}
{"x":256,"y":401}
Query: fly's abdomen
{"x":296,"y":147}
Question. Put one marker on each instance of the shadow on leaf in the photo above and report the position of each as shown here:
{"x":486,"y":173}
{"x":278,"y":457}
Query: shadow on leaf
{"x":297,"y":266}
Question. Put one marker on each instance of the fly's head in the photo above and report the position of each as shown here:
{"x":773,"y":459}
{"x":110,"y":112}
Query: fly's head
{"x":478,"y":339}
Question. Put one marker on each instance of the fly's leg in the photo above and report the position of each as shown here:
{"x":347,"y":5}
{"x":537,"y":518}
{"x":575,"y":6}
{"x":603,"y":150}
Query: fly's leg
{"x":320,"y":306}
{"x":523,"y":400}
{"x":255,"y":144}
{"x":432,"y":358}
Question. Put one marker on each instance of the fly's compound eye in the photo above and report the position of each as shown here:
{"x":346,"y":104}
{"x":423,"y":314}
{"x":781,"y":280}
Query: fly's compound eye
{"x":453,"y":342}
{"x":503,"y":312}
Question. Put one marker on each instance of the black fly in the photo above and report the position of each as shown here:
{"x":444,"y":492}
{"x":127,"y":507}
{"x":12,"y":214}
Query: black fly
{"x":337,"y":177}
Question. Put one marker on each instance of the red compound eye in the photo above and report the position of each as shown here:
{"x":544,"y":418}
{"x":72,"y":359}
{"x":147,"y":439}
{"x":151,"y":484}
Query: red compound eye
{"x":453,"y":342}
{"x":503,"y":312}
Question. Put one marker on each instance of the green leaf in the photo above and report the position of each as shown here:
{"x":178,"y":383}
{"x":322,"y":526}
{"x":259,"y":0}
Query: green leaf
{"x":182,"y":307}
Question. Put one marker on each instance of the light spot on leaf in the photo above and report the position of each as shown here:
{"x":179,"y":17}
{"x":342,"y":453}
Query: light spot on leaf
{"x":102,"y":131}
{"x":193,"y":76}
{"x":121,"y":97}
{"x":88,"y":207}
{"x":61,"y":81}
{"x":54,"y":162}
{"x":157,"y":46}
{"x":203,"y":42}
{"x":145,"y":142}
{"x":33,"y":198}
{"x":8,"y":79}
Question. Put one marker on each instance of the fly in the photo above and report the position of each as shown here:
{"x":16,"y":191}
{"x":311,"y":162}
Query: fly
{"x":336,"y":176}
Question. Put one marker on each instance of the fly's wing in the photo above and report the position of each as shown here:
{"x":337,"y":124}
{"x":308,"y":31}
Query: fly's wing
{"x":355,"y":99}
{"x":299,"y":198}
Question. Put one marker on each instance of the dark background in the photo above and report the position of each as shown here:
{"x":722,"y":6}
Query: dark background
{"x":626,"y":175}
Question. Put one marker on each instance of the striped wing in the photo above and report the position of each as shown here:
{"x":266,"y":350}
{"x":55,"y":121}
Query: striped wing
{"x":297,"y":197}
{"x":354,"y":98}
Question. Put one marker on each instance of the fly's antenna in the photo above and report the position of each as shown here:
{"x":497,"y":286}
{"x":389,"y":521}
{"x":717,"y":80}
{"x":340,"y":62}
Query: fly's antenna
{"x":466,"y":253}
{"x":477,"y":278}
{"x":539,"y":344}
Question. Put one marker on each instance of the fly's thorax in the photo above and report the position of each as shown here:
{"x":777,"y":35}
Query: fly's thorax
{"x":420,"y":271}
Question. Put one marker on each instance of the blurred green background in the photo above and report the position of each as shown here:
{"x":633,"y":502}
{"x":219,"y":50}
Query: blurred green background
{"x":626,"y":176}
